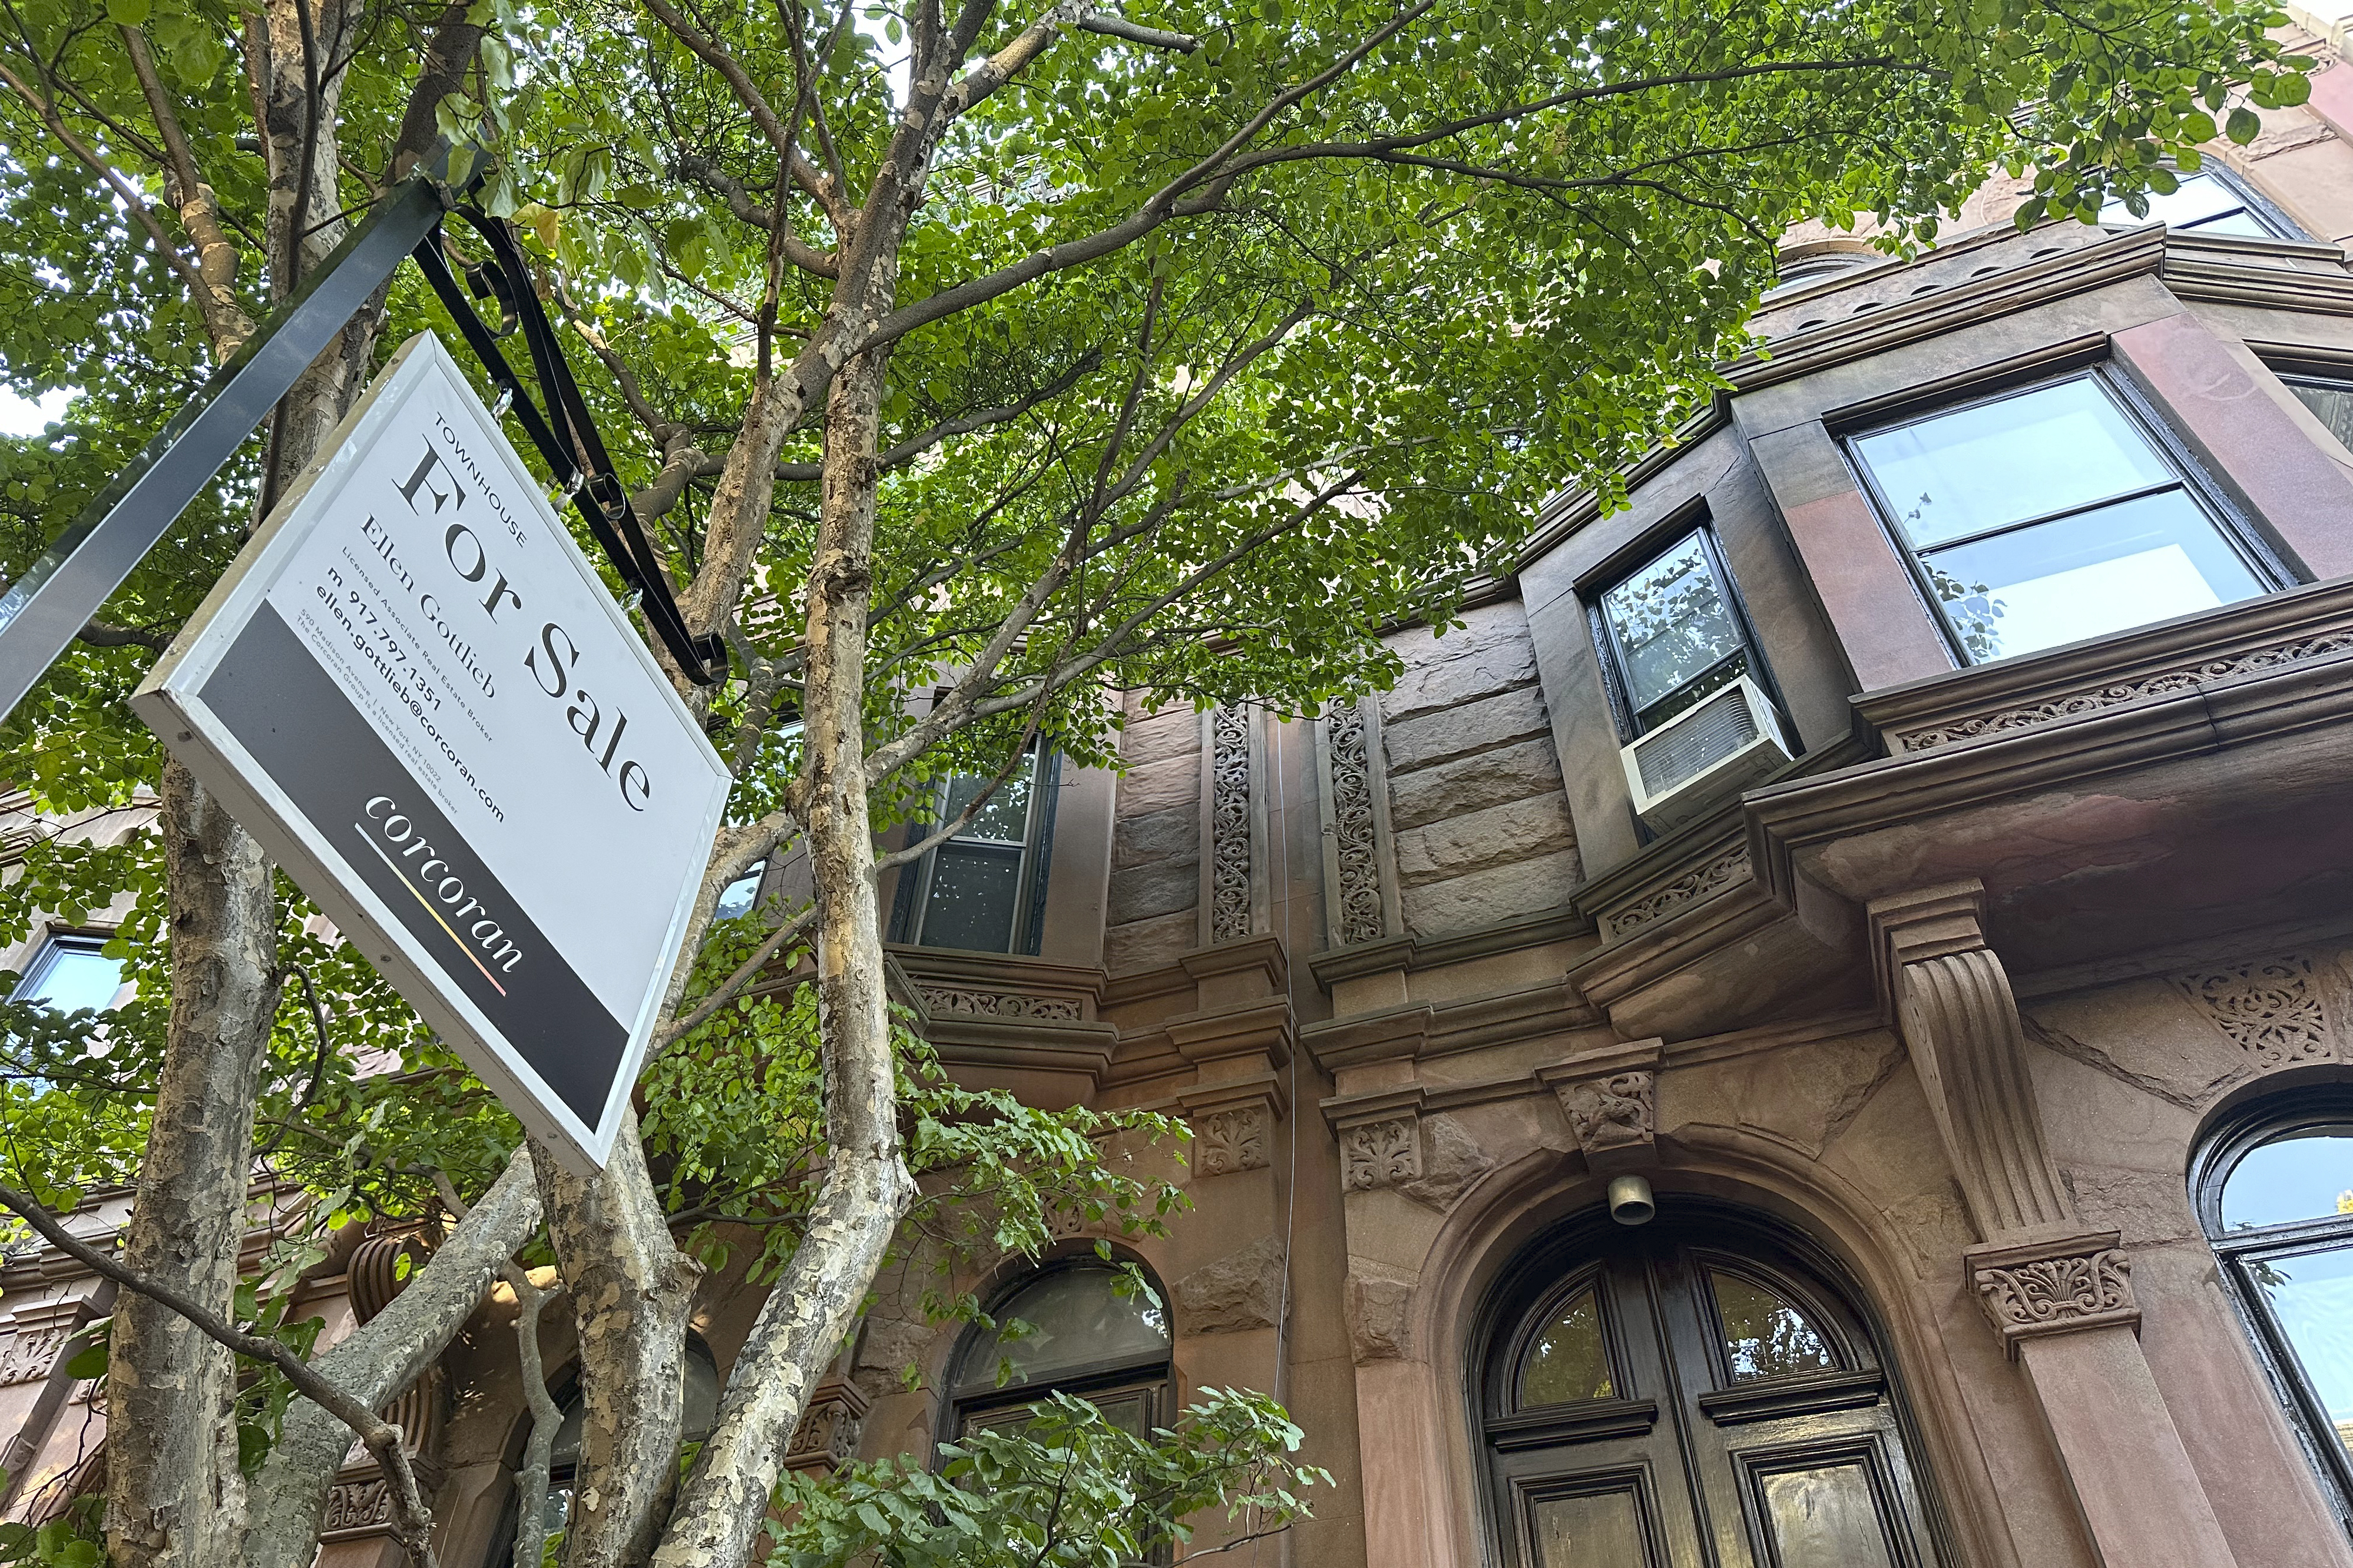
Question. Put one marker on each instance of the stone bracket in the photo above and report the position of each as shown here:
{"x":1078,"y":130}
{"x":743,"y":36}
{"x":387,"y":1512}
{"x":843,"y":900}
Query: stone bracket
{"x":2053,"y":1285}
{"x":1610,"y":1097}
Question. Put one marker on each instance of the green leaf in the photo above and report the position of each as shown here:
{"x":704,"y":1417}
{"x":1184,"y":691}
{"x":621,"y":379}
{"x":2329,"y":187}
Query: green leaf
{"x":2244,"y":126}
{"x":127,"y":13}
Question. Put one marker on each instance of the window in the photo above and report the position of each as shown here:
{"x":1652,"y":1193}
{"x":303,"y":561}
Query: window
{"x":2046,"y":516}
{"x":700,"y":1377}
{"x":2331,"y":401}
{"x":2211,"y":201}
{"x":2274,"y":1193}
{"x":1084,"y":1329}
{"x":1691,"y":1392}
{"x":1669,"y":632}
{"x":985,"y":890}
{"x":69,"y":973}
{"x":1795,"y":272}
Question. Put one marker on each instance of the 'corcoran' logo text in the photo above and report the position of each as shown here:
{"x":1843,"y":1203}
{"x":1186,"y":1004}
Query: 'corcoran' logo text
{"x":446,"y":889}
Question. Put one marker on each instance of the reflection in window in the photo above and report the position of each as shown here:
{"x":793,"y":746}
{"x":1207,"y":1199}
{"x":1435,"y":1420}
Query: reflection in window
{"x":1764,"y":1335}
{"x":2331,"y":403}
{"x":985,"y":890}
{"x":70,"y":974}
{"x":2049,"y":515}
{"x":1565,"y":1360}
{"x":1672,"y":633}
{"x":1597,"y":1528}
{"x":1825,"y":1517}
{"x":2207,"y":202}
{"x":2277,"y":1202}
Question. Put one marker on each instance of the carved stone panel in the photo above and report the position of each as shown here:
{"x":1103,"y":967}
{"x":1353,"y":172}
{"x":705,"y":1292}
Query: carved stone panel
{"x":1614,"y":1118}
{"x":1381,"y":1153}
{"x":829,"y":1429}
{"x":358,"y":1505}
{"x":1721,"y":871}
{"x":2270,"y":1008}
{"x":1225,"y":1142}
{"x":969,"y":1002}
{"x":1357,"y":863}
{"x":1229,"y":824}
{"x":33,"y":1352}
{"x":2074,"y":1283}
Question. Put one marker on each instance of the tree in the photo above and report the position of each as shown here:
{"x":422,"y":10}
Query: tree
{"x":979,"y":366}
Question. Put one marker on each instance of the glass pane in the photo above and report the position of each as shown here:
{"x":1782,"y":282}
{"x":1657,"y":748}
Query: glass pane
{"x":1765,"y":1336}
{"x":2312,"y":1295}
{"x":2306,"y":1176}
{"x":700,"y":1411}
{"x":1601,"y":1530}
{"x":1671,"y":621}
{"x":1566,"y":1360}
{"x":69,"y":976}
{"x":2124,"y":565}
{"x":2333,"y":405}
{"x":2028,"y":455}
{"x":1825,"y":1518}
{"x":1005,"y":819}
{"x":2238,"y":222}
{"x":973,"y":892}
{"x":2198,"y":201}
{"x":1076,"y":1317}
{"x":736,"y":897}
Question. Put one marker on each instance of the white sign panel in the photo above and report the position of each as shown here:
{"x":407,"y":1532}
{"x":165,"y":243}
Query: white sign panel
{"x":415,"y":691}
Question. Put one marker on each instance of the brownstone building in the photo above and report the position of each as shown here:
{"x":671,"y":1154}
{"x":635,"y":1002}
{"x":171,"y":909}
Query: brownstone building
{"x":1903,"y":860}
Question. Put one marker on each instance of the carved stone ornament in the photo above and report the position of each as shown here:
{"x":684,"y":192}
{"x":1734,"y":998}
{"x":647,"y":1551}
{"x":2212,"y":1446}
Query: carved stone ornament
{"x":354,"y":1505}
{"x":1225,"y":1142}
{"x":2091,"y":699}
{"x":966,"y":1002}
{"x":2061,"y":1289}
{"x":1345,"y":733}
{"x":1229,"y":824}
{"x":2270,"y":1008}
{"x":1613,"y":1117}
{"x":1381,"y":1153}
{"x":1721,"y":872}
{"x":828,"y":1435}
{"x":33,"y":1352}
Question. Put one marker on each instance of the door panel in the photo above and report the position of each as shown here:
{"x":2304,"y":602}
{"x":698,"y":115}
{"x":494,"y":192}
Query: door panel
{"x":1687,"y":1394}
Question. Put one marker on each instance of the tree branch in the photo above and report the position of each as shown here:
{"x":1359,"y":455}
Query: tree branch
{"x":1134,"y":33}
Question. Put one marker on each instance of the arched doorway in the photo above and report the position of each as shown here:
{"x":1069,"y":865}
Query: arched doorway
{"x":1689,"y":1394}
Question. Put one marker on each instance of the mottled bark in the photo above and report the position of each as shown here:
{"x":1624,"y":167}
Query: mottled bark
{"x":867,"y":1186}
{"x":631,"y":1289}
{"x":379,"y":1359}
{"x":174,"y":1488}
{"x":538,"y":1447}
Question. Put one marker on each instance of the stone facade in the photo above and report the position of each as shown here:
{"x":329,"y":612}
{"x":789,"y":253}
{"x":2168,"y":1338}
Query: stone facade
{"x":1956,"y":995}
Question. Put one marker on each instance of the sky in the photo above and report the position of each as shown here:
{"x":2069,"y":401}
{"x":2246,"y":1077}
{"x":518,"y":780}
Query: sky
{"x":22,"y":417}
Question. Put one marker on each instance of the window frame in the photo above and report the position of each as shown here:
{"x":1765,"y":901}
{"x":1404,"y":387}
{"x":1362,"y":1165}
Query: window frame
{"x":2237,"y":530}
{"x":910,"y":904}
{"x":1611,"y":653}
{"x":44,"y":957}
{"x":2269,"y":1119}
{"x":2268,"y":214}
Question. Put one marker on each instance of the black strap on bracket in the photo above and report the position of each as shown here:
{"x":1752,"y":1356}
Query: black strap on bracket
{"x":565,"y":435}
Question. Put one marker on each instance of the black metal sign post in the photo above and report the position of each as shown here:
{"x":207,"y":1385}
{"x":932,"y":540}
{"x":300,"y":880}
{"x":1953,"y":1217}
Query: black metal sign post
{"x":43,"y":610}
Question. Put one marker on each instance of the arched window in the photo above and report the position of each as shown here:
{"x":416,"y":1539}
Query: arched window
{"x":1081,"y":1328}
{"x":1689,"y":1392}
{"x":700,"y":1377}
{"x":2274,"y":1193}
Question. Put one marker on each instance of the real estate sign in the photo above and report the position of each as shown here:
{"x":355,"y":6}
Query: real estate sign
{"x":416,"y":691}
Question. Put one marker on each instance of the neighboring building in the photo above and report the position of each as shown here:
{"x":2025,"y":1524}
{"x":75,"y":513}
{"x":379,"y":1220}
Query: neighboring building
{"x":1913,"y":838}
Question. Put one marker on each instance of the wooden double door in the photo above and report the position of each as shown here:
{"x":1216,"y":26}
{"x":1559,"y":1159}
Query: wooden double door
{"x":1690,"y":1393}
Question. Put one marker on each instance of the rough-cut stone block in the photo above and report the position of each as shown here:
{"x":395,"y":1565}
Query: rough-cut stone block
{"x":1154,"y":737}
{"x":1161,"y":887}
{"x":1486,"y":725}
{"x":1474,"y":782}
{"x":1484,"y":898}
{"x":1156,"y":836}
{"x":1157,"y":787}
{"x":1148,"y":944}
{"x":1481,"y":840}
{"x":1240,"y":1291}
{"x":1492,"y":653}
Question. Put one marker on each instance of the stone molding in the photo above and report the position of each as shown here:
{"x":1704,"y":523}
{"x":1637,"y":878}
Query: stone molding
{"x":1361,"y":902}
{"x":828,"y":1436}
{"x":1723,"y":870}
{"x":1950,"y":998}
{"x":2059,"y":1285}
{"x":2268,"y":1007}
{"x":971,"y":1002}
{"x":1610,"y":1098}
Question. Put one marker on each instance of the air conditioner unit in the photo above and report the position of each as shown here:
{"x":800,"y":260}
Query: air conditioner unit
{"x":1713,"y":750}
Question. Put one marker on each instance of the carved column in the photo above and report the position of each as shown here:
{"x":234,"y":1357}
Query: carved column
{"x":2059,"y":1294}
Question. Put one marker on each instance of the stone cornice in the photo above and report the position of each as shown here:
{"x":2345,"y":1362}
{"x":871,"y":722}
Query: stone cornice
{"x":1411,"y":954}
{"x":1422,"y":1031}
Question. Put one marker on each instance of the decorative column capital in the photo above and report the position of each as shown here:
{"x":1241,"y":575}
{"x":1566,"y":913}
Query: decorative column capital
{"x":828,"y":1436}
{"x":1610,"y":1100}
{"x":1380,"y":1142}
{"x":2056,"y":1285}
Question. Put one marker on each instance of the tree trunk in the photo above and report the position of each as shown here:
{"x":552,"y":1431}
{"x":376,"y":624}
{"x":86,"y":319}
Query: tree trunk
{"x":631,"y":1289}
{"x":172,"y":1474}
{"x":867,"y":1187}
